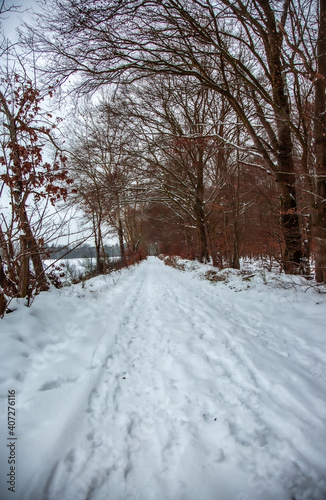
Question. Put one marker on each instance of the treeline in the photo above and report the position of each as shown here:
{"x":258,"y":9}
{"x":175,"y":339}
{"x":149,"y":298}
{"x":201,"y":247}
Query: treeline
{"x":83,"y":251}
{"x":168,"y":168}
{"x":200,"y":97}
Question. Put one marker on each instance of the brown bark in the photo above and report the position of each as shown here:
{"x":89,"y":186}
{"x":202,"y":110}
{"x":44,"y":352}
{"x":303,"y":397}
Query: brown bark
{"x":236,"y":243}
{"x":199,"y":211}
{"x":3,"y":304}
{"x":3,"y":286}
{"x":33,"y":250}
{"x":98,"y":247}
{"x":320,"y":144}
{"x":236,"y":207}
{"x":24,"y":267}
{"x":284,"y":169}
{"x":19,"y":201}
{"x":202,"y":253}
{"x":292,"y":257}
{"x":99,"y":263}
{"x":8,"y":254}
{"x":121,"y":242}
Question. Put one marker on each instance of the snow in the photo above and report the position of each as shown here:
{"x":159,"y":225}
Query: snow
{"x":156,"y":383}
{"x":69,"y":271}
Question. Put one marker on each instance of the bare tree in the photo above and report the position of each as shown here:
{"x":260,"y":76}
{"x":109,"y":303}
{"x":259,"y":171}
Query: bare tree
{"x":216,"y":43}
{"x":180,"y":133}
{"x":106,"y":188}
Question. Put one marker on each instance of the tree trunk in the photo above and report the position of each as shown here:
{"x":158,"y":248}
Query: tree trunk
{"x":99,"y":245}
{"x":292,"y":255}
{"x":236,"y":240}
{"x":34,"y":251}
{"x":202,"y":253}
{"x":199,"y":211}
{"x":320,"y":144}
{"x":285,"y":175}
{"x":121,"y":242}
{"x":21,"y":214}
{"x":24,"y":267}
{"x":236,"y":206}
{"x":3,"y":303}
{"x":99,"y":264}
{"x":11,"y":264}
{"x":3,"y":286}
{"x":211,"y":247}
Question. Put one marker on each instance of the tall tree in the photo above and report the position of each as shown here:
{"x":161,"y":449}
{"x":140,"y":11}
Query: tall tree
{"x":320,"y":138}
{"x":180,"y":128}
{"x":26,"y":177}
{"x":107,"y":189}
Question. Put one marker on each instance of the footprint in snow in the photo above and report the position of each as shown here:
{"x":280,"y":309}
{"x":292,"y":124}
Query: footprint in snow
{"x":55,"y":384}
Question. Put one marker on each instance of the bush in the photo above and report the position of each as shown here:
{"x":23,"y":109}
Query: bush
{"x":174,"y":262}
{"x":215,"y":277}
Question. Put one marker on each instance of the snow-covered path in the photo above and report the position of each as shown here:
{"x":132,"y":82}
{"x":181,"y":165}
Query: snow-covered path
{"x":153,"y":384}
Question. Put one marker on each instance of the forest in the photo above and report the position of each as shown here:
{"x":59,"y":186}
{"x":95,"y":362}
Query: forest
{"x":180,"y":127}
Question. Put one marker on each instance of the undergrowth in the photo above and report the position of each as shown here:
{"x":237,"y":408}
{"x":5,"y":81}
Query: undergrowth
{"x":174,"y":262}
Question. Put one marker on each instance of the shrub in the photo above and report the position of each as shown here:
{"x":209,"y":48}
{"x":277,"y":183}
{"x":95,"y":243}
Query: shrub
{"x":174,"y":262}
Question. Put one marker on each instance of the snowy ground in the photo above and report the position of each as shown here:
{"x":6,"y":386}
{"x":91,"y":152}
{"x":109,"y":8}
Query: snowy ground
{"x":154,"y":383}
{"x":71,"y":270}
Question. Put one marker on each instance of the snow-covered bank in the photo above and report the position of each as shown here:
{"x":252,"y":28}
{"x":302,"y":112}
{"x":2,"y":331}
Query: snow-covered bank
{"x":153,"y":383}
{"x":70,"y":271}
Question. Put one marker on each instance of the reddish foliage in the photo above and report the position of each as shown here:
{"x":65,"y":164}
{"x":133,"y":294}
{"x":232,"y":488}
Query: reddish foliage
{"x":26,"y":165}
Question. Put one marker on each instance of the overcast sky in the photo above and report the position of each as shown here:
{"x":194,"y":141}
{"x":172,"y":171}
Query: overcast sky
{"x":11,"y":21}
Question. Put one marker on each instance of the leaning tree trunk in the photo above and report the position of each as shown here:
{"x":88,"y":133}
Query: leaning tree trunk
{"x":21,"y":214}
{"x":320,"y":144}
{"x":33,"y":250}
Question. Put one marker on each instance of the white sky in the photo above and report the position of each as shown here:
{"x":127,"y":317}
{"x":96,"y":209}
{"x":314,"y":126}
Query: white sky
{"x":11,"y":21}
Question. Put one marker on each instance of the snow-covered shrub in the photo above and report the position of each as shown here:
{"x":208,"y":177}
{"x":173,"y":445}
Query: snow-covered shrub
{"x":215,"y":276}
{"x":174,"y":262}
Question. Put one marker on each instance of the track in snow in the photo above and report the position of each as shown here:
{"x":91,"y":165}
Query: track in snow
{"x":182,"y":395}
